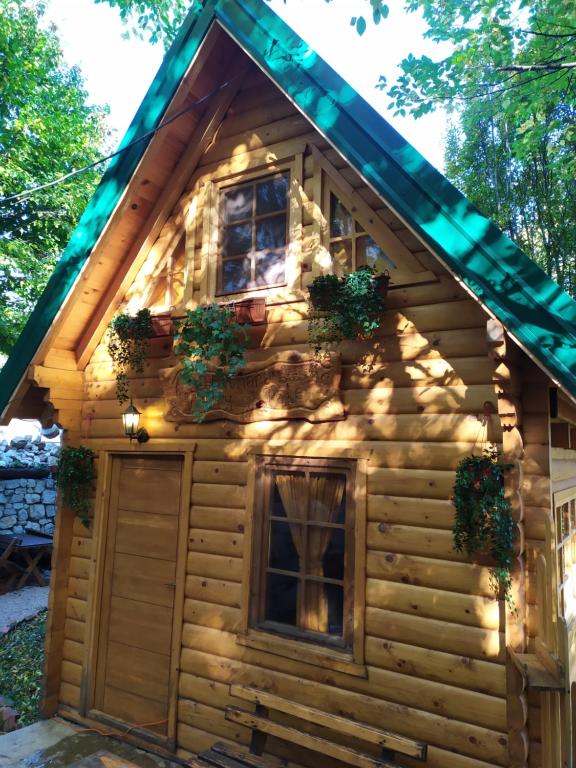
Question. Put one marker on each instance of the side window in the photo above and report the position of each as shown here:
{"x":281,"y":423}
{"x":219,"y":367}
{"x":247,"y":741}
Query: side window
{"x":350,"y":245}
{"x":304,"y":550}
{"x":565,"y":523}
{"x":253,"y":234}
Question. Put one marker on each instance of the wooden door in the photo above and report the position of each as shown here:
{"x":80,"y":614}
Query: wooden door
{"x":134,"y":671}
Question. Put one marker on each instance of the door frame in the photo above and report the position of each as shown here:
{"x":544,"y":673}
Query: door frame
{"x":100,"y":540}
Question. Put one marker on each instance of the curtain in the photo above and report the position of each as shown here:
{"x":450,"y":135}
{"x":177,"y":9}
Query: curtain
{"x":326,"y":493}
{"x":293,"y":490}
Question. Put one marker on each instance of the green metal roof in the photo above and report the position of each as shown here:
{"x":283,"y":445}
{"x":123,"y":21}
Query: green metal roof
{"x":532,"y":307}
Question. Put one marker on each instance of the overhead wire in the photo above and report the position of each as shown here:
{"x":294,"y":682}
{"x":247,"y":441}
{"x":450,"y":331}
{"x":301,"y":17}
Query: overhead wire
{"x":27,"y":193}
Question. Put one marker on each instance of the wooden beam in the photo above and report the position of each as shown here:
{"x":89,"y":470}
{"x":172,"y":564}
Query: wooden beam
{"x":199,"y":142}
{"x":368,"y":733}
{"x":315,"y":743}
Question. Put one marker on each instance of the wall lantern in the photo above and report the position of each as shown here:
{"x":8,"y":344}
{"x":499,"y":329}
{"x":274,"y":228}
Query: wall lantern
{"x":130,"y":419}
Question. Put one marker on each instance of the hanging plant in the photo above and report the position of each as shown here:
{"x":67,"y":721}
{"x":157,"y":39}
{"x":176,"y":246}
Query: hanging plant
{"x":348,"y":307}
{"x":483,"y":521}
{"x":211,"y":344}
{"x":74,"y":475}
{"x":128,"y":345}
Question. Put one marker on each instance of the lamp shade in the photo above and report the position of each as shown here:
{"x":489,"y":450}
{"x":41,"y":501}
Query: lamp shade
{"x":131,"y":419}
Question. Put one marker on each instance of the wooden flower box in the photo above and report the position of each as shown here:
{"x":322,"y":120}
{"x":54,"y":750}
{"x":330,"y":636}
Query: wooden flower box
{"x":251,"y":311}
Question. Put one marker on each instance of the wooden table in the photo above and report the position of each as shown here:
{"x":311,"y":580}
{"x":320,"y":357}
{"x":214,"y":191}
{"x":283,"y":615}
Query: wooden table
{"x":19,"y":558}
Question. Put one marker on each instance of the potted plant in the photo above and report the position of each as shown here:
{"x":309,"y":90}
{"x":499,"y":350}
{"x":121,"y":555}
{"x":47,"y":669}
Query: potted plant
{"x":211,"y":344}
{"x":74,"y":476}
{"x":128,"y":344}
{"x":161,"y":325}
{"x":483,"y":521}
{"x":347,"y":307}
{"x":250,"y":311}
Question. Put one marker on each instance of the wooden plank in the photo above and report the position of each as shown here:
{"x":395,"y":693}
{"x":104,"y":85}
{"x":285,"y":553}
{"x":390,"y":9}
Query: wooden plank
{"x":464,"y":578}
{"x":138,"y":671}
{"x":469,"y":610}
{"x":336,"y":751}
{"x":437,"y":635}
{"x":215,"y":591}
{"x":213,"y":566}
{"x":131,"y":626}
{"x":451,"y":668}
{"x":357,"y":730}
{"x":216,"y":542}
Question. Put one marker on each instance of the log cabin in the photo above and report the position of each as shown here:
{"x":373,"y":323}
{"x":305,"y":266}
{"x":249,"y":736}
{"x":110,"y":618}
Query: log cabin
{"x":193,"y":610}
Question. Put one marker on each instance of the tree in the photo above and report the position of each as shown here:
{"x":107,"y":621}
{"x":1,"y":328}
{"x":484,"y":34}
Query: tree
{"x":46,"y":130}
{"x":530,"y":197}
{"x":160,"y":19}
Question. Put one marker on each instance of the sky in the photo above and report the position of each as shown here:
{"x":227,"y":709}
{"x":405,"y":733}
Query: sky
{"x":118,"y":71}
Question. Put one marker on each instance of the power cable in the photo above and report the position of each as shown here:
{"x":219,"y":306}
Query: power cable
{"x":27,"y":193}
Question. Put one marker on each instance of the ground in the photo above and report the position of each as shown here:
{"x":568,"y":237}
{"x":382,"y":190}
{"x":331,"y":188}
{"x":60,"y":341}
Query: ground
{"x":21,"y":667}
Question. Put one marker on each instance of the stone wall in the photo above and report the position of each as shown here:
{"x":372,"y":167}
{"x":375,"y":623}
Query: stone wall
{"x":27,"y":503}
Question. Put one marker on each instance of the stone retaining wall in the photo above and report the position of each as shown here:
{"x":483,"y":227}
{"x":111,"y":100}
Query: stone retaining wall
{"x":27,"y":503}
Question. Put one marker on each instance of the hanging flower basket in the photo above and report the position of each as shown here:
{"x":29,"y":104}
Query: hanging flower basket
{"x":161,"y":325}
{"x":250,"y":311}
{"x":483,"y":523}
{"x":348,"y":307}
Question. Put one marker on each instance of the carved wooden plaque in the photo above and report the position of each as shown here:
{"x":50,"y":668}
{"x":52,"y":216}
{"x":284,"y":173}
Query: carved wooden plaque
{"x":287,"y":385}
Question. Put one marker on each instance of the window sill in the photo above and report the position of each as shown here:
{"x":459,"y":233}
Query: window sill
{"x":304,"y":652}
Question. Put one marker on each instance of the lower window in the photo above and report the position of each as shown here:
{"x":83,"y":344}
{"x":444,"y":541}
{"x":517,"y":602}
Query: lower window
{"x":303,"y":559}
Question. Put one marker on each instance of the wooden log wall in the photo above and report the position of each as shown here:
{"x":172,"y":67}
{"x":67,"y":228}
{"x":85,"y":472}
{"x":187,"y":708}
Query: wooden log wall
{"x":416,"y":396}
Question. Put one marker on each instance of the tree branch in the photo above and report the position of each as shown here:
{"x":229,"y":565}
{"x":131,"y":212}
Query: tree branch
{"x":551,"y":67}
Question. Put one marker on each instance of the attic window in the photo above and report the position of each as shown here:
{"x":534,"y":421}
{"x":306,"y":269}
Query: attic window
{"x":253,"y":234}
{"x":350,"y":245}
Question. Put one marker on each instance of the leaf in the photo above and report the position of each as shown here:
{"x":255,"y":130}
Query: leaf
{"x":361,"y":25}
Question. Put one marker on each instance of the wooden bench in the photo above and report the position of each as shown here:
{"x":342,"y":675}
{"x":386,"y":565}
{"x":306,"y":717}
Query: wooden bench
{"x":262,"y":727}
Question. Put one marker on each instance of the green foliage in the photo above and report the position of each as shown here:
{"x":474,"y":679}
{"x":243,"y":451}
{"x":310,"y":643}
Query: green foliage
{"x":128,"y":346}
{"x":74,"y":475}
{"x":158,"y":19}
{"x":209,"y":335}
{"x":347,"y":307}
{"x":46,"y":130}
{"x":530,"y":196}
{"x":21,"y":667}
{"x":483,"y":521}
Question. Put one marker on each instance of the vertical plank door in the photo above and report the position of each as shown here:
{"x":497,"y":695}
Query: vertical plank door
{"x":137,"y":605}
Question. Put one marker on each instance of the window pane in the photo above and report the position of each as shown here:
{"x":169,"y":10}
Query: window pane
{"x":271,"y":195}
{"x":335,"y":598}
{"x":341,"y":257}
{"x":271,"y":233}
{"x":283,"y":554}
{"x":238,"y":204}
{"x":341,"y":222}
{"x":281,"y":599}
{"x":270,"y":268}
{"x":369,"y":253}
{"x":237,"y":239}
{"x":333,"y":562}
{"x":235,"y":274}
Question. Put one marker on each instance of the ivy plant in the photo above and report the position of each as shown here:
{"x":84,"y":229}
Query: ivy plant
{"x":347,"y":307}
{"x":211,"y":344}
{"x":128,"y":345}
{"x":483,"y":522}
{"x":74,"y":476}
